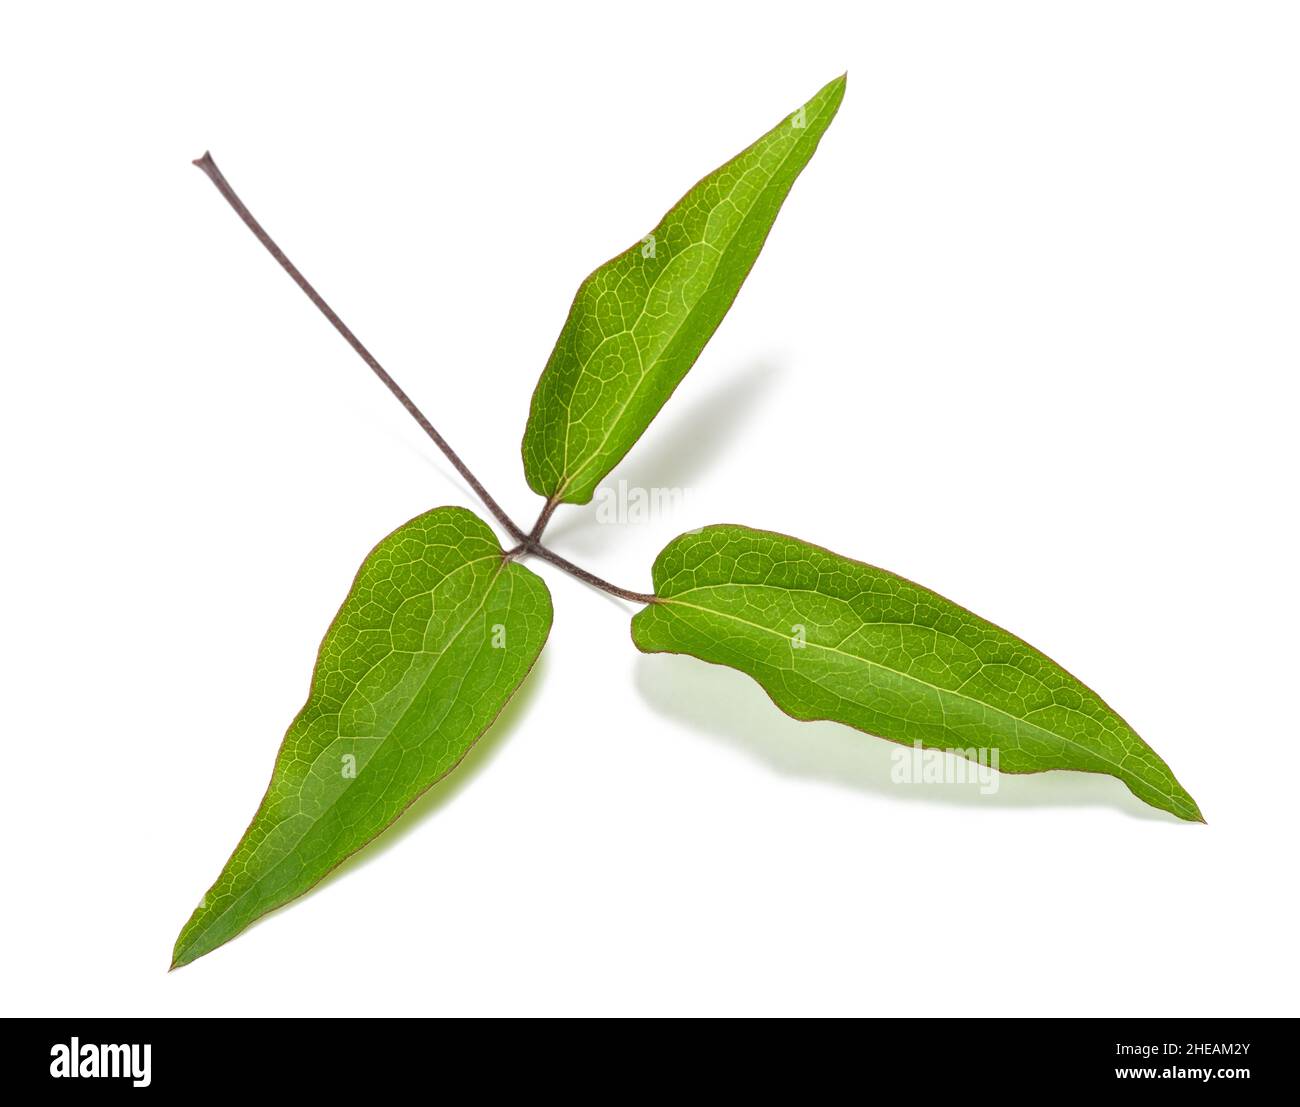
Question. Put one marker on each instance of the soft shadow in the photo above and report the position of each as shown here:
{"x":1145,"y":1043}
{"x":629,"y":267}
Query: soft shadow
{"x":449,"y":787}
{"x":679,"y":448}
{"x":729,"y":706}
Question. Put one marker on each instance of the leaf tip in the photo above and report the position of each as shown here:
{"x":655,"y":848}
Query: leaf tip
{"x":1190,"y":810}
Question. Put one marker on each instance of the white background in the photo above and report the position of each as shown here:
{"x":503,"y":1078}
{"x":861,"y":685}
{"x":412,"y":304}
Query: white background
{"x":1025,"y":332}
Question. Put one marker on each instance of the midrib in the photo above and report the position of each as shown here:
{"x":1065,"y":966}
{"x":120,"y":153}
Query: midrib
{"x":330,"y":806}
{"x":1124,"y":773}
{"x":645,"y":374}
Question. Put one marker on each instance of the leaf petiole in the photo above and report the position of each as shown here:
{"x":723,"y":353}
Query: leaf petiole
{"x":545,"y":517}
{"x":534,"y":547}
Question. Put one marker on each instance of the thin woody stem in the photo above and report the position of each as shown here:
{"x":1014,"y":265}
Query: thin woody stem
{"x":530,"y":545}
{"x":590,"y":578}
{"x":535,"y":535}
{"x":527,"y":543}
{"x":223,"y":186}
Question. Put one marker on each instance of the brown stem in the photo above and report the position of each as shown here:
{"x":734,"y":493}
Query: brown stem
{"x":223,"y":186}
{"x":535,"y":535}
{"x":590,"y":578}
{"x":527,"y":543}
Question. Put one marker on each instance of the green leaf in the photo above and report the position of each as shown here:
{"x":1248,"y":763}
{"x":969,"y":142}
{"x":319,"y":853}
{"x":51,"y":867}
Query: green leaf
{"x":885,"y":656}
{"x":433,"y":639}
{"x":639,"y":322}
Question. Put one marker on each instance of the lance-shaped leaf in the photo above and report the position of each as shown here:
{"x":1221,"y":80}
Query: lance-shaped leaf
{"x":435,"y":636}
{"x":639,"y":322}
{"x":831,"y":638}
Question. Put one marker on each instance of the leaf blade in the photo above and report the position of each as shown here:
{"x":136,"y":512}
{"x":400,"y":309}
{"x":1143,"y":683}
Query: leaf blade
{"x":886,"y":656}
{"x":407,"y":679}
{"x":638,"y":323}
